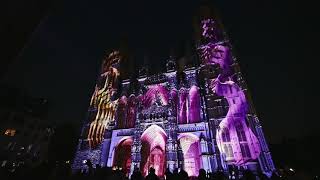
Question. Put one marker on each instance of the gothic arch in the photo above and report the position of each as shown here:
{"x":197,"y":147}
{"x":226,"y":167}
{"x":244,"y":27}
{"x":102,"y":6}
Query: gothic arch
{"x":122,"y":154}
{"x":190,"y":146}
{"x":153,"y":141}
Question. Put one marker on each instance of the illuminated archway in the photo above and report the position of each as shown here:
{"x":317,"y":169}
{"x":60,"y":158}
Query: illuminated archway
{"x":191,"y":153}
{"x":153,"y":150}
{"x":122,"y":155}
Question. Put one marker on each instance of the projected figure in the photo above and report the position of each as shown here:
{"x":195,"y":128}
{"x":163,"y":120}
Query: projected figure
{"x":234,"y":138}
{"x":103,"y":98}
{"x":233,"y":129}
{"x":189,"y":117}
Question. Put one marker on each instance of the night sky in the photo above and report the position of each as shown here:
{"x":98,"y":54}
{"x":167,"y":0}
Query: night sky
{"x":62,"y":57}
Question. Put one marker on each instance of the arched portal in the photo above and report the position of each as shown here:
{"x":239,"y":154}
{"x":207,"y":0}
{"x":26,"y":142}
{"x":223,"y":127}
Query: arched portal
{"x":122,"y":156}
{"x":153,"y":150}
{"x":191,"y":153}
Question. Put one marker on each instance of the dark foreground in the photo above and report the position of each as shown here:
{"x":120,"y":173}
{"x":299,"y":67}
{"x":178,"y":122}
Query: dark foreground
{"x":46,"y":171}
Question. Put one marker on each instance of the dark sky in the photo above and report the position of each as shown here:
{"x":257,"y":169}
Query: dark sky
{"x":62,"y":57}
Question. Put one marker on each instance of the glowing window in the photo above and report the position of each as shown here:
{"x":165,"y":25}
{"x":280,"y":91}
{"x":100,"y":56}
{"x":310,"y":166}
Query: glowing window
{"x":10,"y":132}
{"x":225,"y":135}
{"x":245,"y":151}
{"x":228,"y":150}
{"x":240,"y":132}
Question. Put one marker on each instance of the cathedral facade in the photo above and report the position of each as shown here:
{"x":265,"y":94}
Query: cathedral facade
{"x":198,"y":118}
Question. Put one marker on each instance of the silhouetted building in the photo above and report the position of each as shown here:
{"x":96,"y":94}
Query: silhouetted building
{"x":25,"y":131}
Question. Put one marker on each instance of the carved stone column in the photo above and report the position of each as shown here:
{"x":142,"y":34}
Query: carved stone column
{"x":136,"y":147}
{"x":205,"y":156}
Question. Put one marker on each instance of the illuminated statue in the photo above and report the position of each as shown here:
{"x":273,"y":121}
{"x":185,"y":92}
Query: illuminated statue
{"x":103,"y":98}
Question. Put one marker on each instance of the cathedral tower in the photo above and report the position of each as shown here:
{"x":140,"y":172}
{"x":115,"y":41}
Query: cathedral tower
{"x":200,"y":117}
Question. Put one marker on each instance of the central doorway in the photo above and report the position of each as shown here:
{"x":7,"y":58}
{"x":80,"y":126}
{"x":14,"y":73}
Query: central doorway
{"x":153,"y":154}
{"x":122,"y":156}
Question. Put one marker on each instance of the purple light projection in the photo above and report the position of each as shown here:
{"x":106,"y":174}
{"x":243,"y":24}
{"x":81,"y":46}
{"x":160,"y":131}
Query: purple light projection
{"x":159,"y":107}
{"x":194,"y":112}
{"x":183,"y":100}
{"x":154,"y":93}
{"x":174,"y":97}
{"x":234,"y":122}
{"x":234,"y":137}
{"x":191,"y":155}
{"x":131,"y":111}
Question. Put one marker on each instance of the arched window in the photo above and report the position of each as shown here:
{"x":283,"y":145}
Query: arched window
{"x":225,"y":135}
{"x":245,"y":151}
{"x":228,"y":150}
{"x":240,"y":132}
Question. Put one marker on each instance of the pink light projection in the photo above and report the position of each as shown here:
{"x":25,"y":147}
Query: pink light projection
{"x":153,"y":150}
{"x":183,"y":106}
{"x":194,"y":111}
{"x":156,"y":92}
{"x":174,"y":96}
{"x":191,"y":153}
